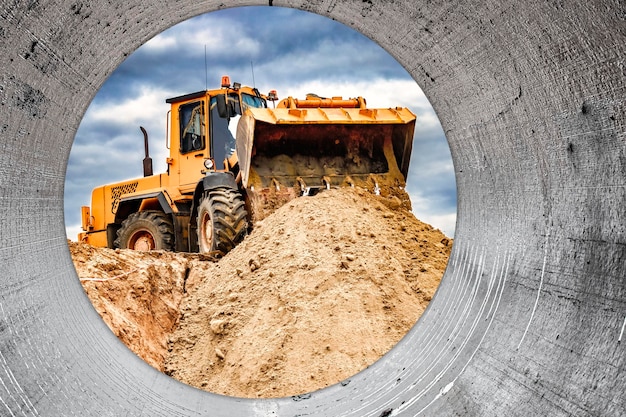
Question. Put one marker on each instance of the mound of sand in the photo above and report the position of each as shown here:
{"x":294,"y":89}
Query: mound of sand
{"x":319,"y":291}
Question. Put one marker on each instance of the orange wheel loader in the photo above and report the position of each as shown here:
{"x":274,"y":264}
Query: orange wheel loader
{"x":218,"y":184}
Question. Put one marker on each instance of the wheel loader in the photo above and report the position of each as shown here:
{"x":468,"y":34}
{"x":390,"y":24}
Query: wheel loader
{"x":234,"y":159}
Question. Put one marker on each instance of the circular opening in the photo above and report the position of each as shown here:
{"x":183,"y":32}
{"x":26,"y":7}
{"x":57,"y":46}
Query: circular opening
{"x":215,"y":334}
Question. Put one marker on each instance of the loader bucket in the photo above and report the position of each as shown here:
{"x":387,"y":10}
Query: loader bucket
{"x":287,"y":152}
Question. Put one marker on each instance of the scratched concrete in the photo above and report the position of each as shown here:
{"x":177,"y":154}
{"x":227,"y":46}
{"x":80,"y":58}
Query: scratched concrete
{"x":530,"y":316}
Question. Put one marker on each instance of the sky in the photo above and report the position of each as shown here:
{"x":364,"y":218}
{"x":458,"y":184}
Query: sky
{"x":272,"y":48}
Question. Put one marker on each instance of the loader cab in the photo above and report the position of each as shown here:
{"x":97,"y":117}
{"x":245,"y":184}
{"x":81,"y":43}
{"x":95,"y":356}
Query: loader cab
{"x":204,"y":128}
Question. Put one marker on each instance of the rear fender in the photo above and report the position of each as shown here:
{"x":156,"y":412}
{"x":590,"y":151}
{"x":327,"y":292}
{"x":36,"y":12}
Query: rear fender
{"x":133,"y":204}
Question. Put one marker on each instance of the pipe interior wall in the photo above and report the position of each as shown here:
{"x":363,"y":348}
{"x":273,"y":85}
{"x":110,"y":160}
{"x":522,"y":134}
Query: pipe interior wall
{"x":530,"y":316}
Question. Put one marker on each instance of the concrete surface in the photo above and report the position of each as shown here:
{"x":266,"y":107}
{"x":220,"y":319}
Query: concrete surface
{"x":530,"y":317}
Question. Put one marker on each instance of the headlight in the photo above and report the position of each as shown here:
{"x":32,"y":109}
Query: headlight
{"x":208,"y":163}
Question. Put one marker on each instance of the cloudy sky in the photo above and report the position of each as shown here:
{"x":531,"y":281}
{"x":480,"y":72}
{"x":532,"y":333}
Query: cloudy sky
{"x":291,"y":51}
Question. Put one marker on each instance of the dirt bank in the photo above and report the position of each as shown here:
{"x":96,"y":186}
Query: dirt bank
{"x":320,"y":290}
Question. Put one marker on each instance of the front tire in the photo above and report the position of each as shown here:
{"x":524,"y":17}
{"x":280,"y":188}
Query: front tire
{"x":146,"y":231}
{"x":222,"y":221}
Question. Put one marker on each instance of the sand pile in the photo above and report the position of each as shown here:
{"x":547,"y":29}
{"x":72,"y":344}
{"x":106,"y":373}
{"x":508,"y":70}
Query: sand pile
{"x":320,"y":290}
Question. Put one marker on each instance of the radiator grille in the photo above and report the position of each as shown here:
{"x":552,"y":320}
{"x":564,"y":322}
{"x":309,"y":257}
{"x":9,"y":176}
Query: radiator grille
{"x":119,"y":191}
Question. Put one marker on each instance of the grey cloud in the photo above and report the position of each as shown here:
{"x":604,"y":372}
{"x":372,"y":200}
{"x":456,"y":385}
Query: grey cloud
{"x":295,"y":46}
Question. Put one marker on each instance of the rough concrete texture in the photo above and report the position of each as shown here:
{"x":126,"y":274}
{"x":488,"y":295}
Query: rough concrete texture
{"x":529,"y":319}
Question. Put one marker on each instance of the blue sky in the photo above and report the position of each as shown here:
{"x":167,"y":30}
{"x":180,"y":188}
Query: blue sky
{"x":291,"y":51}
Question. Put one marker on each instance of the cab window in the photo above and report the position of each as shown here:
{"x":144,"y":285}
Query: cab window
{"x":192,"y":127}
{"x":223,"y":130}
{"x":222,"y":140}
{"x":252,"y":101}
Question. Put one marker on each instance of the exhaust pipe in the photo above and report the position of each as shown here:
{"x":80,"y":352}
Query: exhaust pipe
{"x":147,"y":161}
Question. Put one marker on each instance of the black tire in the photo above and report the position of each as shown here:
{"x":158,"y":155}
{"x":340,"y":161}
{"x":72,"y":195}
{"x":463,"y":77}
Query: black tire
{"x":222,"y":221}
{"x":145,"y":231}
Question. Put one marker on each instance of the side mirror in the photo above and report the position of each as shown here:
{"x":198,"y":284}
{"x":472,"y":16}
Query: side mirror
{"x":222,"y":107}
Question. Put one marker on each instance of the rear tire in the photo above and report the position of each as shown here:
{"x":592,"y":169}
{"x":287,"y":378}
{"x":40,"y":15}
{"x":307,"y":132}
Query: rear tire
{"x":146,"y":231}
{"x":222,"y":221}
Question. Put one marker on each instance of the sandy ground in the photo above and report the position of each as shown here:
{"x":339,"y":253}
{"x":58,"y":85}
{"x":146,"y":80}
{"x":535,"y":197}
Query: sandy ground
{"x":318,"y":291}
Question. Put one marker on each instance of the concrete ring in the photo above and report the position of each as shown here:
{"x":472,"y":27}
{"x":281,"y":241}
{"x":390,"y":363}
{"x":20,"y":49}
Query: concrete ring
{"x":530,"y":316}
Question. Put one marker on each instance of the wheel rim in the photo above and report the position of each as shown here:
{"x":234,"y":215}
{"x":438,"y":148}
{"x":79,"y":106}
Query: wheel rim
{"x":206,"y":232}
{"x":142,"y":241}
